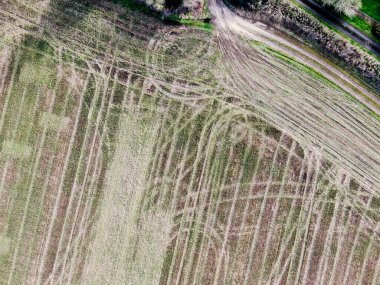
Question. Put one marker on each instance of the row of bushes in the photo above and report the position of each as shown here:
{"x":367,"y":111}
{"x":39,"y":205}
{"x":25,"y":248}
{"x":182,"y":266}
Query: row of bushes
{"x":288,"y":17}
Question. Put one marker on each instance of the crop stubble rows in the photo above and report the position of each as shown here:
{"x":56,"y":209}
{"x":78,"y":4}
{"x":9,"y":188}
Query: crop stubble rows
{"x":151,"y":166}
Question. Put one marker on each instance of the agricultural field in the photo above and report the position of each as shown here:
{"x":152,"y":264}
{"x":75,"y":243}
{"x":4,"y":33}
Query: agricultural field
{"x":133,"y":151}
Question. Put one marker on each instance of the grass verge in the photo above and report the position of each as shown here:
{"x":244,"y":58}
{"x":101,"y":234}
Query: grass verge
{"x":361,"y":25}
{"x":371,"y":8}
{"x":204,"y":25}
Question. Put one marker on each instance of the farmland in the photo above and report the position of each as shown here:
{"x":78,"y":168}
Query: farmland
{"x":137,"y":152}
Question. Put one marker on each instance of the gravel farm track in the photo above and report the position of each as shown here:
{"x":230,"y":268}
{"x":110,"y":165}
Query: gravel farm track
{"x":135,"y":152}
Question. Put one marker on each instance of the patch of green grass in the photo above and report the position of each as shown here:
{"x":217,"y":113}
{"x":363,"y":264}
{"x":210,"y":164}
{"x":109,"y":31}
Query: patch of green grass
{"x":375,"y":203}
{"x":13,"y":149}
{"x":371,"y":8}
{"x":204,"y":25}
{"x":5,"y":245}
{"x":300,"y":66}
{"x":53,"y":121}
{"x":358,"y":23}
{"x":37,"y":44}
{"x":361,"y":25}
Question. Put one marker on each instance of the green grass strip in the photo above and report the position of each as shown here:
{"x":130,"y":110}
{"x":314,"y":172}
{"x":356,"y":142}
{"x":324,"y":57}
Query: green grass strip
{"x":191,"y":22}
{"x":300,"y":66}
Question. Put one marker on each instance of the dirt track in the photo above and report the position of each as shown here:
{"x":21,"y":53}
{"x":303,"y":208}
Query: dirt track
{"x":318,"y":116}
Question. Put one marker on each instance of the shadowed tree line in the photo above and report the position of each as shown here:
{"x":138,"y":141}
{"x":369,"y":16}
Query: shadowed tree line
{"x":64,"y":12}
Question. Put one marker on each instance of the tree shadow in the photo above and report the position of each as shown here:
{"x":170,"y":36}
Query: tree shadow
{"x":173,"y":4}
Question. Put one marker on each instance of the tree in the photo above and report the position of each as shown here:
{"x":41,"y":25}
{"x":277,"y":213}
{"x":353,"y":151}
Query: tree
{"x":346,"y":7}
